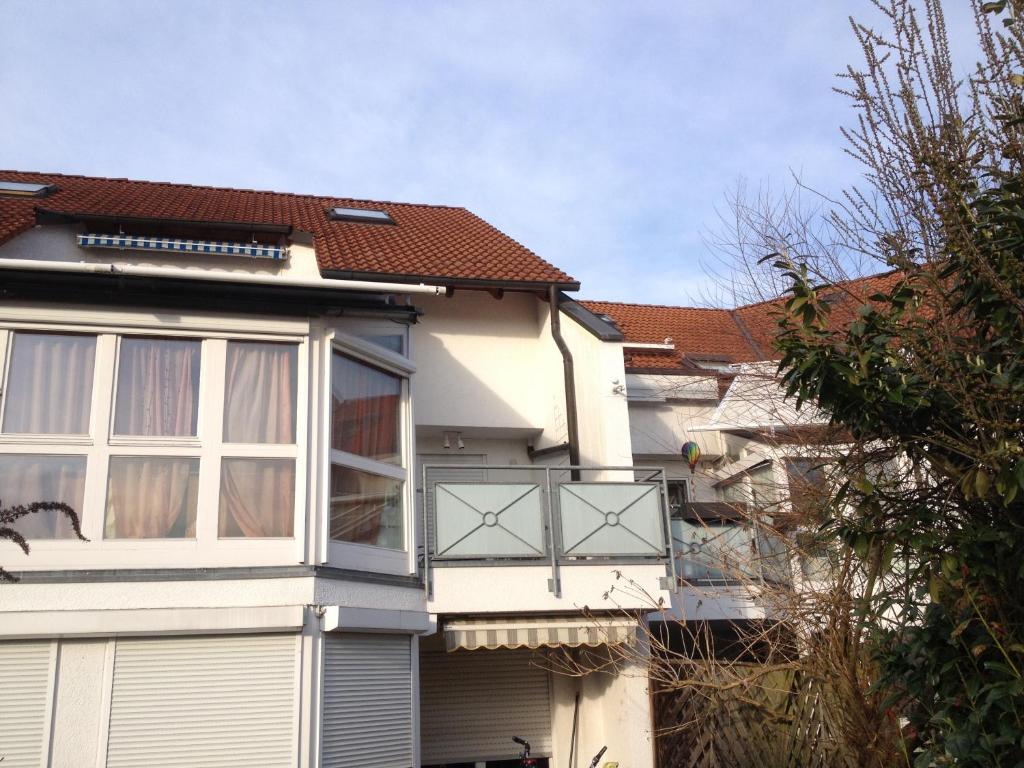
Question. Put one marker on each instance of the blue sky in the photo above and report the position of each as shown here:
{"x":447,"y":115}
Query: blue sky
{"x":602,"y":135}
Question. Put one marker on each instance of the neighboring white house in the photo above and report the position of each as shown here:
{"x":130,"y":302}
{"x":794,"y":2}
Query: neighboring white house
{"x":710,"y":376}
{"x":320,"y":449}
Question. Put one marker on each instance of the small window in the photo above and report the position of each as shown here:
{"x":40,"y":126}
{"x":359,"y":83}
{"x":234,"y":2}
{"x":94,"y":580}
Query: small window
{"x":25,"y":189}
{"x":393,"y":342}
{"x":361,"y":214}
{"x":808,"y":487}
{"x":677,"y":497}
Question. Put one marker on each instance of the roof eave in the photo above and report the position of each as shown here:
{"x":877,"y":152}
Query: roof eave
{"x":450,"y":282}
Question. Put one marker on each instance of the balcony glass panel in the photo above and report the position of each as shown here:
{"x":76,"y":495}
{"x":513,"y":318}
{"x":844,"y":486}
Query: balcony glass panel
{"x":611,"y":519}
{"x":475,"y":520}
{"x":774,"y":554}
{"x":710,"y":552}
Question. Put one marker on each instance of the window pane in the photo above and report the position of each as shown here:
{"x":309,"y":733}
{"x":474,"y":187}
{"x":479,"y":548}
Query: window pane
{"x":259,"y":395}
{"x":157,"y":388}
{"x":364,"y":410}
{"x":392,"y":342}
{"x":25,"y":479}
{"x":50,"y":384}
{"x":366,"y":509}
{"x":676,"y":497}
{"x":808,"y":487}
{"x":152,"y":497}
{"x":257,"y":498}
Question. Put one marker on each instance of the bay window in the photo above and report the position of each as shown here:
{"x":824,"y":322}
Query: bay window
{"x":179,"y":437}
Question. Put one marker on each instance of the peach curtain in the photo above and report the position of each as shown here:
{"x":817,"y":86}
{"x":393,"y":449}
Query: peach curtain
{"x":157,"y":387}
{"x":259,"y":395}
{"x":151,"y":497}
{"x":257,"y":498}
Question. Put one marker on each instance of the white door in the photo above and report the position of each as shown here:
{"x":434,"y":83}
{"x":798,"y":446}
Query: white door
{"x":473,"y":702}
{"x":24,"y":703}
{"x":367,"y":701}
{"x":210,"y":701}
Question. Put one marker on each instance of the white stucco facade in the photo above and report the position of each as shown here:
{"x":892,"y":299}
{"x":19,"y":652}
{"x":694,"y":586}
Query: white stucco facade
{"x":480,"y":376}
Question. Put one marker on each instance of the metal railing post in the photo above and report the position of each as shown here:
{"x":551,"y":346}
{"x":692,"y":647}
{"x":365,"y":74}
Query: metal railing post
{"x":427,"y":586}
{"x":556,"y":586}
{"x":668,"y":533}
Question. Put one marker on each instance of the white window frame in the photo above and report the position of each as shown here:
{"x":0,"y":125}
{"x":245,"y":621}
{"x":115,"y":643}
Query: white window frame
{"x":206,"y":549}
{"x":367,"y":557}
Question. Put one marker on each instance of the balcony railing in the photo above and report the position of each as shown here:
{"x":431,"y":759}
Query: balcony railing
{"x":515,"y":515}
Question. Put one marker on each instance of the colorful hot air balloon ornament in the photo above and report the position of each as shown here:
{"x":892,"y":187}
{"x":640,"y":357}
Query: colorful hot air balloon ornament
{"x":691,"y":452}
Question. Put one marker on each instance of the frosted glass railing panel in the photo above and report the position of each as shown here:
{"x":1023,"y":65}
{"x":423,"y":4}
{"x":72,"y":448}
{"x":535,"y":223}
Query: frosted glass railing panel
{"x":714,"y":552}
{"x":477,"y":520}
{"x":775,"y":552}
{"x":611,"y":519}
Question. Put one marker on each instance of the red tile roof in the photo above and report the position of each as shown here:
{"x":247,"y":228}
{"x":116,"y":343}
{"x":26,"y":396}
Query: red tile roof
{"x":696,"y":332}
{"x":740,"y":335}
{"x":427,"y":241}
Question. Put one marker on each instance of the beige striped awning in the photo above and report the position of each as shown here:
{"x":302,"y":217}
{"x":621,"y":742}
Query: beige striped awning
{"x":537,"y":632}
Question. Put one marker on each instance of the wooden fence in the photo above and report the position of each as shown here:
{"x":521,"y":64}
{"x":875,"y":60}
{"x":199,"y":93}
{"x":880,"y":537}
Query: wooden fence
{"x":773,"y":720}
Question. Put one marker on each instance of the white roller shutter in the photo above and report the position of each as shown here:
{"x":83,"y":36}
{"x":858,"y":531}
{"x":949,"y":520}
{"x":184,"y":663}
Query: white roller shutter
{"x":210,"y":701}
{"x":24,"y":703}
{"x":473,"y":702}
{"x":367,"y":719}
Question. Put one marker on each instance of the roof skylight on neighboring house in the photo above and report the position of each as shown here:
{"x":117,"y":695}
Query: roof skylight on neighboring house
{"x":360,"y":214}
{"x":24,"y":189}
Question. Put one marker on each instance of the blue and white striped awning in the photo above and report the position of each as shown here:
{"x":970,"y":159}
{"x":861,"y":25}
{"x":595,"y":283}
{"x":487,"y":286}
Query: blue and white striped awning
{"x":175,"y":245}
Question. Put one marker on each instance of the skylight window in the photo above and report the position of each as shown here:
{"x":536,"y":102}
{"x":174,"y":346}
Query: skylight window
{"x":25,"y":189}
{"x":360,"y":214}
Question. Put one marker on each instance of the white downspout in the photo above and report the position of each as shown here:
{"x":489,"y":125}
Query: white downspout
{"x":222,"y":277}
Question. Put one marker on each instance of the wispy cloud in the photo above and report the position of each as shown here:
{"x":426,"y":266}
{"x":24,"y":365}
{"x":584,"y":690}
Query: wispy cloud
{"x":601,"y":135}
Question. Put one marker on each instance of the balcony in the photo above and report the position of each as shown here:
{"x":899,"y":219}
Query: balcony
{"x":545,"y":538}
